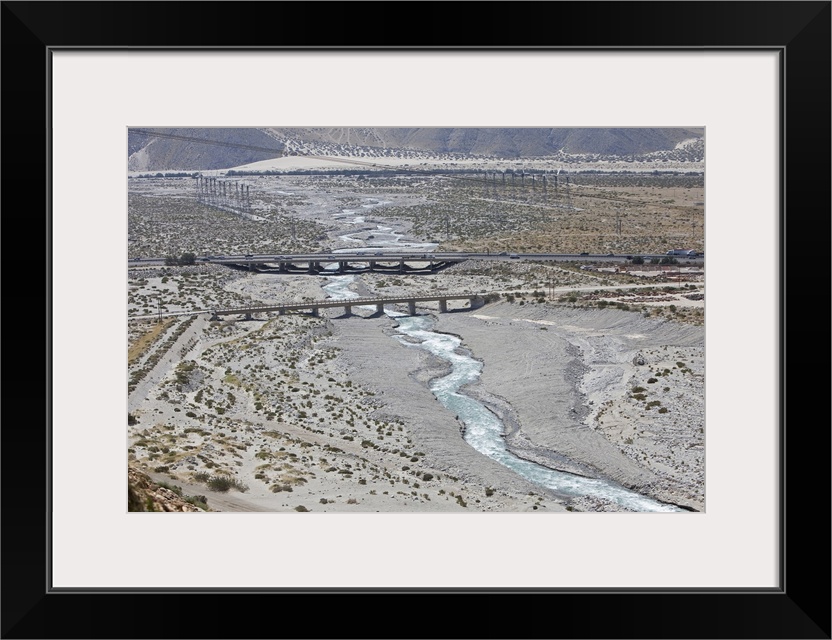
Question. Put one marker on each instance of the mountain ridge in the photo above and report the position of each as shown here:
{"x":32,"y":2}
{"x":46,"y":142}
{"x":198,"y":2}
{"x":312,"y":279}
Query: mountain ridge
{"x":165,"y":149}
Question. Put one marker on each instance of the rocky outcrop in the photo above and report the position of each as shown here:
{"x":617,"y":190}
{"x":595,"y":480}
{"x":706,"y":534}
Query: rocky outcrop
{"x":143,"y":494}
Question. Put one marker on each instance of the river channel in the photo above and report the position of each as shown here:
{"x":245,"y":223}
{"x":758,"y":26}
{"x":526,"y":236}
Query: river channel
{"x":483,"y":430}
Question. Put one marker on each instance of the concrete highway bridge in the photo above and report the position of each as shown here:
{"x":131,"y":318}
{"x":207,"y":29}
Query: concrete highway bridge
{"x":347,"y":304}
{"x":388,"y":261}
{"x":414,"y":265}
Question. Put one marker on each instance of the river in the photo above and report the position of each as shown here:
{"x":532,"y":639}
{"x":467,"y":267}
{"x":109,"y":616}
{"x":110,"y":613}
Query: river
{"x":483,"y":430}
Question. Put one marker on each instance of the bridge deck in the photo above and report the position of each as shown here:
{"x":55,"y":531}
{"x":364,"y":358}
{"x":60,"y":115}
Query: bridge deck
{"x":348,"y":302}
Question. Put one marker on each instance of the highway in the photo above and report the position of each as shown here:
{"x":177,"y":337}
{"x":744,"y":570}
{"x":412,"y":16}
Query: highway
{"x":366,"y":255}
{"x":328,"y":302}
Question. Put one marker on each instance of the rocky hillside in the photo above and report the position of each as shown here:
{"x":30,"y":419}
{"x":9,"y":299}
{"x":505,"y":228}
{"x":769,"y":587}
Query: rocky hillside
{"x":499,"y":142}
{"x":143,"y":494}
{"x":156,"y":149}
{"x":222,"y":148}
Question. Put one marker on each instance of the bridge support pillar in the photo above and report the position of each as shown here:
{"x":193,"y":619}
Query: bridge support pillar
{"x":380,"y":308}
{"x":401,"y":267}
{"x":348,"y":309}
{"x":314,"y":267}
{"x":281,"y":312}
{"x":411,"y":307}
{"x":443,"y":306}
{"x":248,"y":316}
{"x":342,"y":266}
{"x":315,"y":313}
{"x":372,"y":265}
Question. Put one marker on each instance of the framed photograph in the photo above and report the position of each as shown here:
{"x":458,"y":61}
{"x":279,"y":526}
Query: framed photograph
{"x":90,"y":84}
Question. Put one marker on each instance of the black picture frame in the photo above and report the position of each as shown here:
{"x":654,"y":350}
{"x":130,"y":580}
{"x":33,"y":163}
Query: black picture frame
{"x":799,"y":608}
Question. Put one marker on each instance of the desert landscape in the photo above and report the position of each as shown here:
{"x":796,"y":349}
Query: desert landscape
{"x":576,"y":386}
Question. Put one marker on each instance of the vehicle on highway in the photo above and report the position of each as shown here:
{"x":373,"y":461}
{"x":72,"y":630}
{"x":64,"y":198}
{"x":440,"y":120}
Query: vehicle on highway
{"x":610,"y":255}
{"x":514,"y":255}
{"x":584,"y":253}
{"x":688,"y":253}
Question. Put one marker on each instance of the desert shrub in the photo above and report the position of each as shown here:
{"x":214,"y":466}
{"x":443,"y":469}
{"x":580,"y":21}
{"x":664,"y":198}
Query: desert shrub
{"x":651,"y":380}
{"x":198,"y":501}
{"x":301,"y":508}
{"x":223,"y":483}
{"x":176,"y":489}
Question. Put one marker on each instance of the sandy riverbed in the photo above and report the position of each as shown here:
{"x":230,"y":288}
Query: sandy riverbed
{"x":333,"y":414}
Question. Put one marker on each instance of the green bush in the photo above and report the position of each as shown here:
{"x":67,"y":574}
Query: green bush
{"x":223,"y":483}
{"x":198,"y":501}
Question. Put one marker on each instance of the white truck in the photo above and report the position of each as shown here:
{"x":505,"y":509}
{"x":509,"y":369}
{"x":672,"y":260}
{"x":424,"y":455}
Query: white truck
{"x":687,"y":253}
